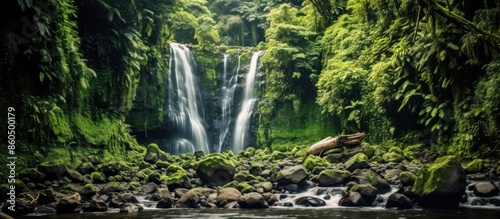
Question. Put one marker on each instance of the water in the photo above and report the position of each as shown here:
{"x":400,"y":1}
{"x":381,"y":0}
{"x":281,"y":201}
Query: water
{"x":247,"y":106}
{"x":227,"y":105}
{"x":297,"y":213}
{"x":184,"y":102}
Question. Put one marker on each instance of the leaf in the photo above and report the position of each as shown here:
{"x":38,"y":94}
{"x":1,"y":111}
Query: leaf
{"x":42,"y":76}
{"x":434,"y":112}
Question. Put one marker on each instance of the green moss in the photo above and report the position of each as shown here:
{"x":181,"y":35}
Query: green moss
{"x":174,"y":168}
{"x":313,"y":161}
{"x":476,"y":166}
{"x":244,"y":187}
{"x":255,"y":169}
{"x":134,"y":185}
{"x":430,"y":176}
{"x":411,"y":152}
{"x":162,"y":164}
{"x":396,"y":150}
{"x":190,"y":164}
{"x":392,"y":157}
{"x":277,"y":155}
{"x":59,"y":123}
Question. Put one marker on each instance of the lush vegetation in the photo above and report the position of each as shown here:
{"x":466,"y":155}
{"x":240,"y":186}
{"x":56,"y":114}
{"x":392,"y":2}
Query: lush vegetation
{"x":82,"y":74}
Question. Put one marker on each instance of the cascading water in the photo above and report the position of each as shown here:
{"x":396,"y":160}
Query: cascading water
{"x":184,"y":102}
{"x":248,"y":102}
{"x":228,"y":88}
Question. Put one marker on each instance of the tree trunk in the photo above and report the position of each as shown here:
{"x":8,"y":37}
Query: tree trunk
{"x":328,"y":143}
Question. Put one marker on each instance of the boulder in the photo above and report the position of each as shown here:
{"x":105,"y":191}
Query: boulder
{"x":399,"y":201}
{"x":412,"y":152}
{"x":188,"y":200}
{"x":475,"y":166}
{"x":88,"y":190}
{"x":95,"y":206}
{"x":252,"y":200}
{"x":166,"y":203}
{"x":352,"y":199}
{"x":333,"y":177}
{"x":160,"y":194}
{"x":485,"y":189}
{"x":130,"y":207}
{"x":113,"y":168}
{"x":292,"y":175}
{"x":111,"y":187}
{"x":153,"y":154}
{"x":44,"y":210}
{"x":310,"y":201}
{"x":407,"y":178}
{"x":313,"y":161}
{"x":98,"y":177}
{"x":392,"y":176}
{"x":75,"y":176}
{"x":441,"y":184}
{"x":32,"y":174}
{"x":392,"y":157}
{"x":68,"y":206}
{"x":358,"y":161}
{"x":366,"y":176}
{"x":177,"y":178}
{"x":227,"y":195}
{"x":216,"y":169}
{"x":149,"y":188}
{"x":86,"y":168}
{"x":368,"y":192}
{"x":53,"y":170}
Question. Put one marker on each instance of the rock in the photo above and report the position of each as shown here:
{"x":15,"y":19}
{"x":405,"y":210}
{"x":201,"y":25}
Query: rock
{"x":392,"y":176}
{"x":149,"y":188}
{"x":392,"y":157}
{"x":88,"y":190}
{"x":155,"y":177}
{"x":95,"y":206}
{"x":352,"y":199}
{"x":270,"y":198}
{"x":113,"y":168}
{"x":128,"y":197}
{"x":227,"y":195}
{"x":255,"y":169}
{"x":32,"y":174}
{"x":188,"y":200}
{"x":412,"y":152}
{"x":399,"y":201}
{"x":130,"y":207}
{"x":407,"y":178}
{"x":153,"y":154}
{"x":441,"y":184}
{"x":111,"y":187}
{"x":476,"y":166}
{"x":313,"y":161}
{"x":252,"y":200}
{"x":98,"y":177}
{"x":68,"y":206}
{"x":310,"y":201}
{"x":75,"y":176}
{"x":366,"y":176}
{"x":177,"y":178}
{"x":358,"y":161}
{"x":292,"y":175}
{"x":244,"y":187}
{"x":161,"y":193}
{"x":333,"y":177}
{"x":368,"y":192}
{"x":485,"y":189}
{"x":53,"y":170}
{"x":86,"y":168}
{"x":45,"y":210}
{"x":166,"y":203}
{"x":20,"y":208}
{"x":216,"y":169}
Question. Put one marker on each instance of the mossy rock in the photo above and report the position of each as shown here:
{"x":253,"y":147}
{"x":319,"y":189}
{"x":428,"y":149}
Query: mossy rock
{"x":134,"y":185}
{"x":392,"y":157}
{"x":407,"y":178}
{"x":396,"y":150}
{"x":190,"y":164}
{"x":277,"y":155}
{"x":178,"y":180}
{"x":358,"y":161}
{"x":162,"y":164}
{"x":335,"y":158}
{"x":313,"y":161}
{"x":216,"y":169}
{"x":174,"y":168}
{"x":476,"y":166}
{"x":249,"y":152}
{"x":412,"y":152}
{"x":113,"y":168}
{"x":98,"y":177}
{"x":292,"y":175}
{"x":369,"y":150}
{"x":53,"y":170}
{"x":376,"y":159}
{"x":244,"y":187}
{"x":154,"y":153}
{"x":255,"y":169}
{"x":32,"y":174}
{"x":75,"y":176}
{"x":88,"y":190}
{"x":111,"y":187}
{"x":440,"y":184}
{"x":145,"y":165}
{"x":266,"y":186}
{"x":333,"y":177}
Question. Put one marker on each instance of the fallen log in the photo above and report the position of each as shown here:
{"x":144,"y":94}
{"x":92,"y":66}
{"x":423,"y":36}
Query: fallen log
{"x":352,"y":140}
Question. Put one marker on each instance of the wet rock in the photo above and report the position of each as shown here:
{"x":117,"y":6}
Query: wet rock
{"x":368,"y":192}
{"x":292,"y":175}
{"x":399,"y":201}
{"x":95,"y":206}
{"x":441,"y":184}
{"x":252,"y":200}
{"x":166,"y":203}
{"x":270,"y":198}
{"x":188,"y":200}
{"x":20,"y":208}
{"x":129,"y":198}
{"x":477,"y":176}
{"x":46,"y":210}
{"x":149,"y":188}
{"x":216,"y":169}
{"x":392,"y":176}
{"x":475,"y":166}
{"x":392,"y":157}
{"x":177,"y":178}
{"x":130,"y":207}
{"x":53,"y":170}
{"x":366,"y":176}
{"x":111,"y":187}
{"x":161,"y":193}
{"x":407,"y":178}
{"x":352,"y":199}
{"x":333,"y":177}
{"x":227,"y":195}
{"x":68,"y":206}
{"x":485,"y":189}
{"x":358,"y":161}
{"x":312,"y":162}
{"x":310,"y":201}
{"x":113,"y":168}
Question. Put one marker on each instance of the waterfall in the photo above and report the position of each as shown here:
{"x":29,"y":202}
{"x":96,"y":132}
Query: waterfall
{"x":184,"y":102}
{"x":248,"y":104}
{"x":227,"y":102}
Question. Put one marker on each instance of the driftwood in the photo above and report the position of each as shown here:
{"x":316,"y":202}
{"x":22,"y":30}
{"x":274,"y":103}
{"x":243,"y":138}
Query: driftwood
{"x":328,"y":143}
